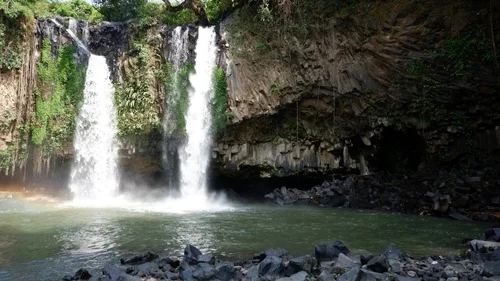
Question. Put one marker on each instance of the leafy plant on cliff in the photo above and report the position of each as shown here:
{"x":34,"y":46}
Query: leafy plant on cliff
{"x":58,"y":98}
{"x":136,"y":102}
{"x":219,"y":101}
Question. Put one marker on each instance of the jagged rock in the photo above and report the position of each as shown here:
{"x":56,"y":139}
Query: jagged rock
{"x":226,"y":272}
{"x":378,"y":264}
{"x":187,"y":275}
{"x":147,"y":269}
{"x":146,"y":257}
{"x":204,"y":272}
{"x":365,"y":259}
{"x":299,"y":276}
{"x":481,"y":245}
{"x":325,"y":276}
{"x":113,"y":271}
{"x":328,"y":252}
{"x":491,"y":269}
{"x":191,"y":254}
{"x":493,"y":234}
{"x":304,"y":263}
{"x":82,"y":274}
{"x":344,"y":261}
{"x":271,"y":266}
{"x":276,"y":252}
{"x":366,"y":275}
{"x":207,"y":259}
{"x":352,"y":275}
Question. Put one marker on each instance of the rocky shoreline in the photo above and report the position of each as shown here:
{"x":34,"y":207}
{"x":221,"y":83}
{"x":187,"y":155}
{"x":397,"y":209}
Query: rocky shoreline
{"x":328,"y":262}
{"x":473,"y":196}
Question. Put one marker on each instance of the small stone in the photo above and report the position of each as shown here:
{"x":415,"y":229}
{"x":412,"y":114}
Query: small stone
{"x":411,"y":273}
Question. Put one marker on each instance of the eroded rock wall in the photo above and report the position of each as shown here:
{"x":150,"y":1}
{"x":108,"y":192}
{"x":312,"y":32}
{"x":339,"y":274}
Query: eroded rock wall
{"x":325,"y":102}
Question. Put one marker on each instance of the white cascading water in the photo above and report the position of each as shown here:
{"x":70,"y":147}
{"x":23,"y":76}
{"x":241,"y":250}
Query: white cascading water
{"x":94,"y":174}
{"x":195,"y":154}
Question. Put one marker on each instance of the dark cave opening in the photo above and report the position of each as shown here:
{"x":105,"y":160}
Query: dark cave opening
{"x":400,"y":151}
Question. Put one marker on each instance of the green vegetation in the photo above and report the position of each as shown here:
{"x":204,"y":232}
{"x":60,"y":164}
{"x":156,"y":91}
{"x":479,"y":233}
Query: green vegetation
{"x":461,"y":51}
{"x":219,"y":101}
{"x":136,"y":103}
{"x":78,"y":9}
{"x":58,"y":98}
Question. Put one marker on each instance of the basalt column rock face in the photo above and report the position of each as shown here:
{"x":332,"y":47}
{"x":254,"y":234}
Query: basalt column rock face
{"x":405,"y":72}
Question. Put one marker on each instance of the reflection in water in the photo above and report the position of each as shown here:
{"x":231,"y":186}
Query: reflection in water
{"x":39,"y":242}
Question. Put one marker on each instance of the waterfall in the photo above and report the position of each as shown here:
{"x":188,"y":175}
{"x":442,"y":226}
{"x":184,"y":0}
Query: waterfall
{"x":178,"y":55}
{"x":94,"y":173}
{"x":72,"y":34}
{"x":195,"y":154}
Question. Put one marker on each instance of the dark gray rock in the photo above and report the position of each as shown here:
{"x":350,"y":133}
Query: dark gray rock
{"x":226,"y":272}
{"x":187,"y":275}
{"x":82,"y":274}
{"x":100,"y":278}
{"x":404,"y":278}
{"x":299,"y":276}
{"x":191,"y":254}
{"x":172,"y":275}
{"x":366,"y":275}
{"x":113,"y":271}
{"x":168,"y":261}
{"x":304,"y":263}
{"x":271,"y":266}
{"x":365,"y":259}
{"x":147,"y":269}
{"x":140,"y":259}
{"x":207,"y":259}
{"x":204,"y":272}
{"x":491,"y":269}
{"x":325,"y":276}
{"x":253,"y":273}
{"x":344,"y":261}
{"x":127,"y":277}
{"x":353,"y":274}
{"x":393,"y":253}
{"x":378,"y":264}
{"x":276,"y":252}
{"x":328,"y":252}
{"x":492,"y":234}
{"x":483,"y":246}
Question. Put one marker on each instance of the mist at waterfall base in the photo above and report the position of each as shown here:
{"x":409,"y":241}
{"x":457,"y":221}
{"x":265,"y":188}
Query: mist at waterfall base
{"x":95,"y":177}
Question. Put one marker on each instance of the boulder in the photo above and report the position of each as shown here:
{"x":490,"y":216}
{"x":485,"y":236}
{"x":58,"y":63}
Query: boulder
{"x":95,"y":278}
{"x":404,"y":278}
{"x":366,"y":275}
{"x":344,"y":261}
{"x":252,"y":273}
{"x":172,"y":275}
{"x":491,"y":269}
{"x":304,"y":263}
{"x":299,"y":276}
{"x":147,"y":269}
{"x":187,"y":275}
{"x":191,"y":254}
{"x":226,"y":272}
{"x":207,"y":259}
{"x":365,"y":259}
{"x":82,"y":274}
{"x":393,"y":254}
{"x":276,"y":252}
{"x":352,"y":275}
{"x":113,"y":271}
{"x":492,"y":234}
{"x":482,"y":245}
{"x":204,"y":272}
{"x":271,"y":266}
{"x":378,"y":264}
{"x":328,"y":252}
{"x":140,"y":259}
{"x":163,"y":263}
{"x":325,"y":276}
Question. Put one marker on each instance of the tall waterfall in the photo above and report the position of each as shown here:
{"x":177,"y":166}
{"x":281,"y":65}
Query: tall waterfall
{"x":195,"y":154}
{"x":94,"y":173}
{"x":178,"y":55}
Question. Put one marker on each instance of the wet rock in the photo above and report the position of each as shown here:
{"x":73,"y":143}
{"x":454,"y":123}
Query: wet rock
{"x":226,"y":272}
{"x":271,"y":266}
{"x":168,"y":261}
{"x":187,"y":275}
{"x":113,"y":271}
{"x":82,"y":274}
{"x":147,"y":269}
{"x":204,"y":272}
{"x":252,"y":273}
{"x":328,"y":252}
{"x":146,"y":257}
{"x":304,"y":263}
{"x":482,"y":245}
{"x":325,"y":276}
{"x":207,"y":259}
{"x":393,"y":253}
{"x":191,"y":254}
{"x":454,"y":214}
{"x":276,"y":252}
{"x":378,"y":264}
{"x":299,"y":276}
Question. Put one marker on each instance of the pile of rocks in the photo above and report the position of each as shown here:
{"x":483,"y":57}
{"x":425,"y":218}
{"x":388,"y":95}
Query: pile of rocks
{"x":473,"y":196}
{"x":329,"y":262}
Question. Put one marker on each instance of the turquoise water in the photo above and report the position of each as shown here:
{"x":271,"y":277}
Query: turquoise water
{"x":45,"y":241}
